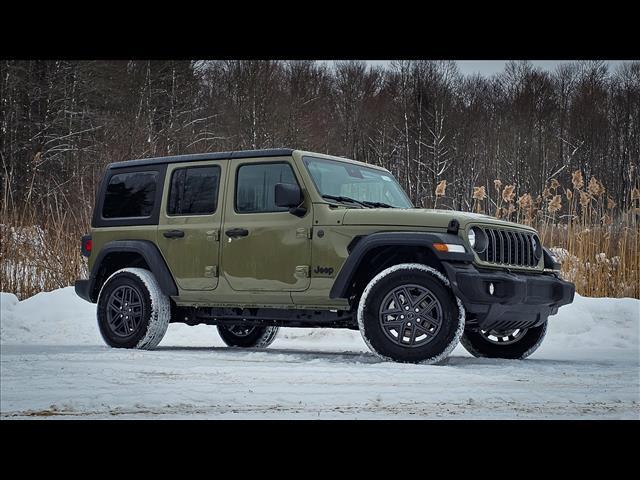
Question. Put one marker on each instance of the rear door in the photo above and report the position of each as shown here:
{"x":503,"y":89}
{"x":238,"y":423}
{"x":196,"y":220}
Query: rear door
{"x":190,"y":221}
{"x":264,"y":247}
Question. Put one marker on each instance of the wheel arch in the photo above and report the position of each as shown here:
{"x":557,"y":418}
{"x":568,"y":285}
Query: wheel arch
{"x":373,"y":253}
{"x":119,"y":254}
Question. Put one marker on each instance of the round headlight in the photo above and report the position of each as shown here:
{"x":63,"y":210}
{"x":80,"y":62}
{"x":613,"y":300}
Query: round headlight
{"x":478,"y":239}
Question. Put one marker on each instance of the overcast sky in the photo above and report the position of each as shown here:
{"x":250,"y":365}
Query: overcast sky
{"x":489,"y":67}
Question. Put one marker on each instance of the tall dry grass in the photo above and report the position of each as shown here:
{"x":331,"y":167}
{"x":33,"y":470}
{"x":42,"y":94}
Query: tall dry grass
{"x":596,"y":241}
{"x":40,"y":251}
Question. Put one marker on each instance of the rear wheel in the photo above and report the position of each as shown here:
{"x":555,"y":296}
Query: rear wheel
{"x":132,"y":310}
{"x":512,"y":344}
{"x":407,"y":313}
{"x":247,"y":336}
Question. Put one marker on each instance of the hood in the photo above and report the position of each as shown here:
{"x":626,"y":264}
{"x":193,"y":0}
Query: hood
{"x":420,"y":217}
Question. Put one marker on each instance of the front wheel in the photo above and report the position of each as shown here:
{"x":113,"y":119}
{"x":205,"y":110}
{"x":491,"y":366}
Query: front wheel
{"x":511,"y":344}
{"x":247,"y":336}
{"x":408,"y":313}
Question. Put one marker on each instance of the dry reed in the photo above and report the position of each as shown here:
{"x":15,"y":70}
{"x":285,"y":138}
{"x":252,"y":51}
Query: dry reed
{"x":40,"y":255}
{"x":596,"y":241}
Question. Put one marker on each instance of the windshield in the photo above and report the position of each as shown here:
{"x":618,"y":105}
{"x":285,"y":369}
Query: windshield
{"x":350,"y":181}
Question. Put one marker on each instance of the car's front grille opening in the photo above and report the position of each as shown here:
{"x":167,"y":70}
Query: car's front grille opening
{"x":507,"y":247}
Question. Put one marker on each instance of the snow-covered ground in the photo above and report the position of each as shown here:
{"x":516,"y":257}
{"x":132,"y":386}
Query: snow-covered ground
{"x":55,"y":365}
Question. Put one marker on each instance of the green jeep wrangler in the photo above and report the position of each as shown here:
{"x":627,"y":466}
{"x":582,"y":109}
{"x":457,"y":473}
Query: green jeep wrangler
{"x":253,"y":240}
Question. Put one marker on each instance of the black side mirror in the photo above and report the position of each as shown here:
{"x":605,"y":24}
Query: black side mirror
{"x":290,"y":196}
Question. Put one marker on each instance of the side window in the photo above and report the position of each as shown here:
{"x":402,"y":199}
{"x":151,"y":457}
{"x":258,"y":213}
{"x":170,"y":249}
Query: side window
{"x":255,"y":186}
{"x":194,"y":191}
{"x":130,"y":195}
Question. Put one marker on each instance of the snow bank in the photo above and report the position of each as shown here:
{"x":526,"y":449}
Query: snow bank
{"x":606,"y":325}
{"x":588,"y":328}
{"x":51,"y":318}
{"x":61,"y":317}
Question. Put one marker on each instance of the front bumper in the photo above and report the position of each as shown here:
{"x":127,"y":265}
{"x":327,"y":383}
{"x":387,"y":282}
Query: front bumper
{"x":520,"y":300}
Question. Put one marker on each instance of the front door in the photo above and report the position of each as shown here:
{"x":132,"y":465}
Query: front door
{"x":190,"y":221}
{"x":264,"y":247}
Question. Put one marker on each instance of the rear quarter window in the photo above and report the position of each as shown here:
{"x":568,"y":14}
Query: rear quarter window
{"x":130,"y":195}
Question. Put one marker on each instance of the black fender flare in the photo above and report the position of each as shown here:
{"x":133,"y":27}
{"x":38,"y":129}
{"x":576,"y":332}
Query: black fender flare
{"x":151,"y":255}
{"x":386,"y":239}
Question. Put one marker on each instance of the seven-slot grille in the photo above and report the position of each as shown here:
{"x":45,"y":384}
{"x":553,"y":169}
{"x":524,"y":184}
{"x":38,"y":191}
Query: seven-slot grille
{"x":508,"y":247}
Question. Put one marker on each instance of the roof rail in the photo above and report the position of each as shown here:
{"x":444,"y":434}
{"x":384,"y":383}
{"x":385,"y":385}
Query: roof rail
{"x":271,"y":152}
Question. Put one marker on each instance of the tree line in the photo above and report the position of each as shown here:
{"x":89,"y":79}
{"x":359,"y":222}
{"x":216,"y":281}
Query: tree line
{"x":62,"y":121}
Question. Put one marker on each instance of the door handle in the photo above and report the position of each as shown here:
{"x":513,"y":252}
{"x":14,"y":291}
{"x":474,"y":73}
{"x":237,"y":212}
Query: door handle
{"x":174,"y":234}
{"x":237,"y":232}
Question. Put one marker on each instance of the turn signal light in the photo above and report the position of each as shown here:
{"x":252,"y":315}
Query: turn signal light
{"x":449,"y":247}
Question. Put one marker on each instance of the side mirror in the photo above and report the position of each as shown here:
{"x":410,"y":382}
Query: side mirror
{"x":288,"y":195}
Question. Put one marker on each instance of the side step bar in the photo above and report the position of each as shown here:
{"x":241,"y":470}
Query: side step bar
{"x":268,"y":317}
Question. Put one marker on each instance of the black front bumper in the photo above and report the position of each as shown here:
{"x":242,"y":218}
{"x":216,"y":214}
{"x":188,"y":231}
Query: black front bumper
{"x":82,"y":289}
{"x":519,"y":300}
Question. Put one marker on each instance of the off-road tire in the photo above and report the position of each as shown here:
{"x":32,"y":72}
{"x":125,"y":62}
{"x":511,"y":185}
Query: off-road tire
{"x":154,"y":309}
{"x":258,"y":337}
{"x":435,"y":347}
{"x":477,"y":345}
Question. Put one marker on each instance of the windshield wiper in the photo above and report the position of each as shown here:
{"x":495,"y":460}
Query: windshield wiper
{"x":340,"y":198}
{"x":377,"y":204}
{"x":364,"y":203}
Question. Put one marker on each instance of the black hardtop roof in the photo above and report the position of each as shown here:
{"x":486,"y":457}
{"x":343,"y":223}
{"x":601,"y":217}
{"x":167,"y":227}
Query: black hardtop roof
{"x":271,"y":152}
